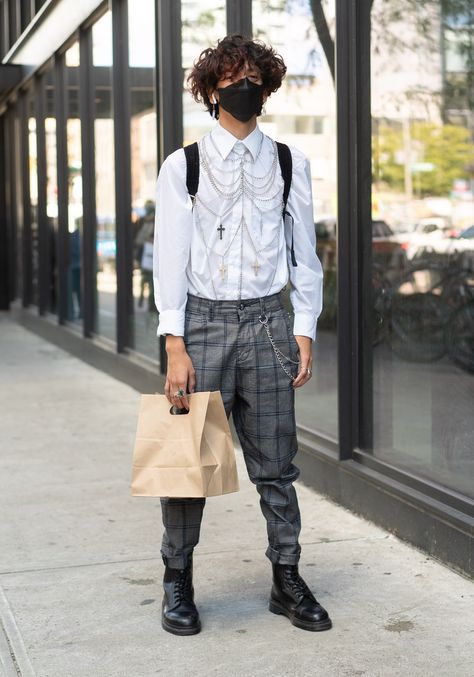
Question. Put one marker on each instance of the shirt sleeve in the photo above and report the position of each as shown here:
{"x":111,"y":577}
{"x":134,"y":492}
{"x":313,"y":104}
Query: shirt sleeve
{"x":172,"y":244}
{"x":306,"y":278}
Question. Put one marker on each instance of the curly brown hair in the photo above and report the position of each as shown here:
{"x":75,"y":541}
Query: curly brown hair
{"x":229,"y":57}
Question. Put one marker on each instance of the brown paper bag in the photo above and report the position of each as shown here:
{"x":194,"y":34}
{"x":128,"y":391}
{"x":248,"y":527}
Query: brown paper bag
{"x":187,"y":455}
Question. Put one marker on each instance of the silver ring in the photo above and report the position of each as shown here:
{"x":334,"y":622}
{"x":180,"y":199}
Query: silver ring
{"x":308,"y":371}
{"x":179,"y":393}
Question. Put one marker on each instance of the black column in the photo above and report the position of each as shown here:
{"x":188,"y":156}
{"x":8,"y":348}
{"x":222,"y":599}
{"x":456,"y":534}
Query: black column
{"x":62,"y":177}
{"x":239,"y":17}
{"x":44,"y":259}
{"x":169,"y":70}
{"x":157,"y":83}
{"x":27,"y":282}
{"x":123,"y":190}
{"x":11,"y":201}
{"x":354,"y":223}
{"x":366,"y":301}
{"x":4,"y":249}
{"x":170,"y":77}
{"x":89,"y":227}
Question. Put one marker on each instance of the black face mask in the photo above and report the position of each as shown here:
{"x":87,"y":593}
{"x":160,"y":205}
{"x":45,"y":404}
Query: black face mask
{"x":242,"y":99}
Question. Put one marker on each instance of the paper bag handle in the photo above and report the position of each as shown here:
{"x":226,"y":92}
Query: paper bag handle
{"x":178,"y":411}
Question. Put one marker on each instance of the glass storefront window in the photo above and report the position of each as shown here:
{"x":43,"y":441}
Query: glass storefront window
{"x":423,"y":241}
{"x":18,"y":206}
{"x":102,"y":59}
{"x":33,"y":181}
{"x":303,"y":114}
{"x":141,"y":28}
{"x":203,"y":24}
{"x":74,"y":161}
{"x":51,"y":187}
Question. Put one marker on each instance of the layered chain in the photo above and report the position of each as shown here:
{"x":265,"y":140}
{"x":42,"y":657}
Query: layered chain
{"x":243,"y":185}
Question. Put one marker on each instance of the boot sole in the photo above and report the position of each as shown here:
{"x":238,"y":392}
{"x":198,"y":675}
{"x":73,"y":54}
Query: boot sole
{"x":315,"y":626}
{"x":180,"y":631}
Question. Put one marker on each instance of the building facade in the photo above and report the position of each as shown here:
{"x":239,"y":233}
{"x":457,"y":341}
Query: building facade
{"x":379,"y":94}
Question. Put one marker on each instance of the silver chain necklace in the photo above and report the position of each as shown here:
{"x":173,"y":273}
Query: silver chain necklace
{"x":237,"y":190}
{"x":244,"y":182}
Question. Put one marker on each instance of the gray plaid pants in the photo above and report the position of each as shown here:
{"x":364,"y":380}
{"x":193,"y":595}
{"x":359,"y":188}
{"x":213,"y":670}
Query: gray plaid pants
{"x":231,"y":352}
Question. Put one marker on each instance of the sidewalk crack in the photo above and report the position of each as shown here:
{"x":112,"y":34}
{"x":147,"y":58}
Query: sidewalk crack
{"x":14,"y":664}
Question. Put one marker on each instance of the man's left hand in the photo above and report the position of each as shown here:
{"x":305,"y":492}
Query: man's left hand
{"x":306,"y":361}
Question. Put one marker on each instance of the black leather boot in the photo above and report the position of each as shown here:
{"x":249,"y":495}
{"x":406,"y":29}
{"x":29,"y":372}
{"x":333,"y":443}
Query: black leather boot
{"x":291,"y":597}
{"x":179,"y":615}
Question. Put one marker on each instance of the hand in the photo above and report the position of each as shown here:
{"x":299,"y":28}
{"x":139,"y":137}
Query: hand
{"x":306,"y":360}
{"x":180,"y":374}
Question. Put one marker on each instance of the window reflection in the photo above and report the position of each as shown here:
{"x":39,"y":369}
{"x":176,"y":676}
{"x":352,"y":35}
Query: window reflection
{"x":423,"y":244}
{"x":141,"y":28}
{"x":203,"y":23}
{"x":33,"y":181}
{"x":51,"y":188}
{"x":75,"y":212}
{"x":302,"y":114}
{"x":104,"y":177}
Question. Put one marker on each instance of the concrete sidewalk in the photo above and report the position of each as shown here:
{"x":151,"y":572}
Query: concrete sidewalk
{"x":80,"y":570}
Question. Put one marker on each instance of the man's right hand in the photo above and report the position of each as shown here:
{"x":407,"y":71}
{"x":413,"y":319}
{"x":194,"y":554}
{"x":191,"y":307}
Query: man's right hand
{"x":180,"y":374}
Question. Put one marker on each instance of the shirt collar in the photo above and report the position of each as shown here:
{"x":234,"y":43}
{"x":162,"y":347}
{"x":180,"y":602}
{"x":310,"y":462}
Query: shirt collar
{"x":225,"y":141}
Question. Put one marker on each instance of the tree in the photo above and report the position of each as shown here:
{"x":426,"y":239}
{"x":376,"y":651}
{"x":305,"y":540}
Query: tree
{"x":446,"y":147}
{"x":454,"y":17}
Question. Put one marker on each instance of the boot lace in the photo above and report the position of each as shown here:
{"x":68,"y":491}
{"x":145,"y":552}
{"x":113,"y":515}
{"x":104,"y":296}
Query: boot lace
{"x":296,"y":583}
{"x":182,"y":586}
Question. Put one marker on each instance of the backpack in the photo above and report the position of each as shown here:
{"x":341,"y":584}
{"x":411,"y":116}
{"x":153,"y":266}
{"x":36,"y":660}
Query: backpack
{"x":286,"y":166}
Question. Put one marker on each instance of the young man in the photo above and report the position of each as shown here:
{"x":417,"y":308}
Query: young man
{"x":221,"y":259}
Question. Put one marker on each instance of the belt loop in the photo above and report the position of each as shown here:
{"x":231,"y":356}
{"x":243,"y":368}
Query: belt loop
{"x":211,"y":311}
{"x":262,"y":307}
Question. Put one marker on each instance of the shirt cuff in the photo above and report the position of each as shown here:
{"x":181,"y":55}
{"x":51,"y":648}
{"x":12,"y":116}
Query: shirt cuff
{"x":305,"y":325}
{"x":171,"y":322}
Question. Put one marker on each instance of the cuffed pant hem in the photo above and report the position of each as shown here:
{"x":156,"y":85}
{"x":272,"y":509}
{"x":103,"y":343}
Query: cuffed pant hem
{"x":176,"y":561}
{"x":277,"y":557}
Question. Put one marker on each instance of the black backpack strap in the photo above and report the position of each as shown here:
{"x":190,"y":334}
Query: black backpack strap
{"x":192,"y":169}
{"x":286,"y":167}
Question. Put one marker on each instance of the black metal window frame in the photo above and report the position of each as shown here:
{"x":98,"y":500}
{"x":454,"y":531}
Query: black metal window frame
{"x":5,"y":244}
{"x":89,"y":225}
{"x":24,"y":196}
{"x":354,"y":218}
{"x":12,"y":201}
{"x":4,"y":39}
{"x":239,"y":17}
{"x":60,"y":111}
{"x":14,"y":28}
{"x":27,"y":12}
{"x":43,"y":234}
{"x":89,"y":220}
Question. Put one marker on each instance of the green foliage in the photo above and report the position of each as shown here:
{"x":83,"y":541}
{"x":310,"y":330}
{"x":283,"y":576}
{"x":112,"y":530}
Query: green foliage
{"x":447,"y":147}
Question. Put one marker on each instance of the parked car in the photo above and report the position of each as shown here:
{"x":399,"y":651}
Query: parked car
{"x":386,"y":250}
{"x":428,"y":235}
{"x":429,"y":242}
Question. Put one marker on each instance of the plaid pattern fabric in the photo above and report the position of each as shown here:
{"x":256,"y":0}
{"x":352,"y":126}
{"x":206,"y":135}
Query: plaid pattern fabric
{"x":231,"y":352}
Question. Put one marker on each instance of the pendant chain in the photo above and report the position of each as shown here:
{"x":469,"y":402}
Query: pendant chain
{"x":244,"y":182}
{"x":242,"y":186}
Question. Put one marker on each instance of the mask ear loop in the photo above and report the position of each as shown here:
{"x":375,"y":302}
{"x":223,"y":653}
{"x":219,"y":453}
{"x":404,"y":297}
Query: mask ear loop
{"x":215,"y":110}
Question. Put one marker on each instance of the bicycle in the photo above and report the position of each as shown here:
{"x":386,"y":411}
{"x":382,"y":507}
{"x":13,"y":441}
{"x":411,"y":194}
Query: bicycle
{"x":427,"y":312}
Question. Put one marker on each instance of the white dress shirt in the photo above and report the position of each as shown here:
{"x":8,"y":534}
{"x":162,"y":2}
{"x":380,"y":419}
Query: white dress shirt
{"x":192,"y":255}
